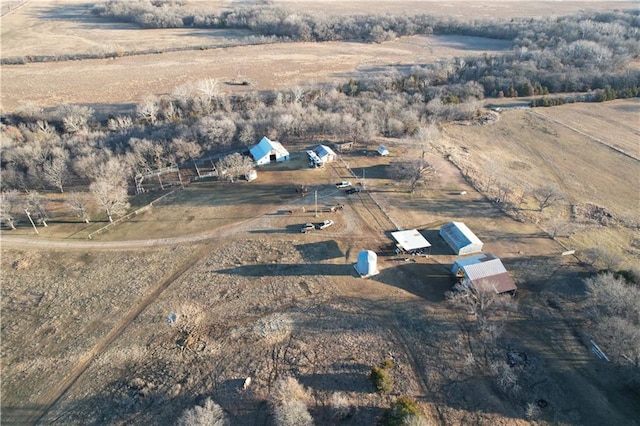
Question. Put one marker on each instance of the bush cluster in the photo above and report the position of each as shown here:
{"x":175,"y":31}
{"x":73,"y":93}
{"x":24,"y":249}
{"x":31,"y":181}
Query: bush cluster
{"x":380,"y":377}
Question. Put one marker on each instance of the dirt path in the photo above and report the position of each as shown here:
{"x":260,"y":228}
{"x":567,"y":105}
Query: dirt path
{"x":214,"y":234}
{"x":49,"y":399}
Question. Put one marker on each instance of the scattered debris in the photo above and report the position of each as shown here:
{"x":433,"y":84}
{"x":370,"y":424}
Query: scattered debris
{"x":593,"y":213}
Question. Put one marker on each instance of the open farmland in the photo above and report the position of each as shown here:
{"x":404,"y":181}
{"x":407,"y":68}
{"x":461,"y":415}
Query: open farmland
{"x":86,"y":336}
{"x":260,"y":299}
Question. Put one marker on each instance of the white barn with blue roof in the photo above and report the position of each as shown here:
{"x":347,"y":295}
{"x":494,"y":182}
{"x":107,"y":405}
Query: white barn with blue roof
{"x":460,"y":238}
{"x":268,"y":151}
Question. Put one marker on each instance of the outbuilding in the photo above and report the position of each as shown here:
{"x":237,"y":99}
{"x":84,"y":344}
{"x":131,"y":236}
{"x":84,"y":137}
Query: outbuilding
{"x":321,"y":155}
{"x":411,"y":241}
{"x":268,"y":151}
{"x":367,"y":264}
{"x":383,"y":151}
{"x":484,"y":273}
{"x":460,"y":238}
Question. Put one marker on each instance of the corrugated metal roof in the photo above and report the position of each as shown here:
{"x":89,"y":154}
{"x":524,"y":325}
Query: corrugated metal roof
{"x":265,"y":146}
{"x":323,"y":151}
{"x":459,"y":234}
{"x":410,"y":240}
{"x":484,"y":269}
{"x":489,"y":275}
{"x":484,"y":257}
{"x":497,"y":283}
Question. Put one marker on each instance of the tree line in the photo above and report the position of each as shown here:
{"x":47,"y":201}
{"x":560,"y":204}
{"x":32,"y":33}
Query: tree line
{"x":575,"y":53}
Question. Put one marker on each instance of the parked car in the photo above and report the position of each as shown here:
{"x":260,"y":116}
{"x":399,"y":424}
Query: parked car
{"x":352,"y":190}
{"x":343,"y":184}
{"x":325,"y":224}
{"x":307,"y":227}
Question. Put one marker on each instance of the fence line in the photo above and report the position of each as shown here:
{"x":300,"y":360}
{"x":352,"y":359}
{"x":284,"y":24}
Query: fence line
{"x":346,"y":166}
{"x":129,"y":215}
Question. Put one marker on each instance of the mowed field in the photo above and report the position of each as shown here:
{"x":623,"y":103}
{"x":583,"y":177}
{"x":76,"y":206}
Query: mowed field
{"x":85,"y":337}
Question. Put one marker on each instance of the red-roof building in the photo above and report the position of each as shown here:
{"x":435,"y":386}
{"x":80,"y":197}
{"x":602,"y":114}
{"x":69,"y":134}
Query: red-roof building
{"x":484,"y":273}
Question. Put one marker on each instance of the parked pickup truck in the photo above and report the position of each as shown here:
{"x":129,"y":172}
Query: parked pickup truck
{"x":352,"y":191}
{"x":325,"y":224}
{"x":343,"y":184}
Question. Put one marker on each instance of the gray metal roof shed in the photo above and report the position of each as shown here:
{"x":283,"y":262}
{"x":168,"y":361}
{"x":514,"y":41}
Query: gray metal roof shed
{"x":460,"y":238}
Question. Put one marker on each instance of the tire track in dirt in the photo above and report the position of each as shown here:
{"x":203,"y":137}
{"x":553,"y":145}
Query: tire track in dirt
{"x":416,"y":367}
{"x":380,"y":310}
{"x":51,"y":398}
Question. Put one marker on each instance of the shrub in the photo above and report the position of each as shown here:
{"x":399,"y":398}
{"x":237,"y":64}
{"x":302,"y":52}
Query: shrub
{"x":387,"y":364}
{"x":211,"y":414}
{"x":340,"y":405}
{"x":402,"y":411}
{"x":381,"y":379}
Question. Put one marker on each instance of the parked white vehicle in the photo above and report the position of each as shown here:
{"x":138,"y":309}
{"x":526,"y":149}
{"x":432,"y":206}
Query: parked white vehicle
{"x":343,"y":184}
{"x":325,"y":224}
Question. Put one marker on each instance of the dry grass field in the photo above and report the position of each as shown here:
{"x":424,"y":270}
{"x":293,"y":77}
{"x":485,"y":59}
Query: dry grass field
{"x":85,"y":337}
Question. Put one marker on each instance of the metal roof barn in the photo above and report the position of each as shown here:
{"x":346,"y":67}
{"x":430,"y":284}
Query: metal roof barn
{"x":484,"y":273}
{"x":460,"y":238}
{"x":267,"y":151}
{"x":411,"y":240}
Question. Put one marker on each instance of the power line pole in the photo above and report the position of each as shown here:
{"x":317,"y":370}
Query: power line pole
{"x":316,"y":201}
{"x":31,"y":220}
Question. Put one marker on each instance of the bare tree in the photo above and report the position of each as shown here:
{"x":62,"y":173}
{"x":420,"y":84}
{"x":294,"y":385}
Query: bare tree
{"x":75,"y":117}
{"x":616,"y":315}
{"x":489,"y":311}
{"x":146,"y":155}
{"x":491,"y":175}
{"x":602,"y":257}
{"x":8,"y":206}
{"x":110,"y":188}
{"x":288,"y":400}
{"x":414,"y":171}
{"x":56,"y":170}
{"x":210,"y":414}
{"x":205,"y":95}
{"x":558,"y":227}
{"x":504,"y":192}
{"x":547,"y":196}
{"x":233,"y":166}
{"x":427,"y":138}
{"x":148,"y":109}
{"x":79,"y":205}
{"x":119,"y":123}
{"x":185,"y":150}
{"x":247,"y":134}
{"x":37,"y":208}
